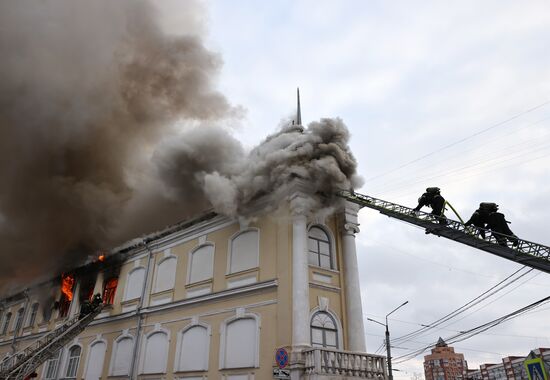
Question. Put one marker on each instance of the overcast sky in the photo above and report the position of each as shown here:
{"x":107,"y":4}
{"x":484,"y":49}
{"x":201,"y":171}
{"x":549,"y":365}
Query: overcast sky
{"x":409,"y":78}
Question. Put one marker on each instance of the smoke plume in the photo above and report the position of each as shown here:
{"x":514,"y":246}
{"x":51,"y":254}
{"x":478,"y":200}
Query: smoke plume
{"x":110,"y":128}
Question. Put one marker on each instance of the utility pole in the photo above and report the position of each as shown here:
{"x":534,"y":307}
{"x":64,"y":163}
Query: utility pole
{"x":388,"y":346}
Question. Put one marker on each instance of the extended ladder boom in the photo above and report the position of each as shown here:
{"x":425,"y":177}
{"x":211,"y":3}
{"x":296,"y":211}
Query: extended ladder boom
{"x":521,"y":251}
{"x":25,"y":362}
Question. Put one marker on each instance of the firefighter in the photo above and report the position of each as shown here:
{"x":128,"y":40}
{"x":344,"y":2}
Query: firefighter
{"x":497,"y":223}
{"x":480,"y":217}
{"x":85,"y":309}
{"x":432,"y":197}
{"x":96,"y":301}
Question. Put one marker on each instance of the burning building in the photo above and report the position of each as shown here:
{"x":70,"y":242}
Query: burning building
{"x":215,"y":296}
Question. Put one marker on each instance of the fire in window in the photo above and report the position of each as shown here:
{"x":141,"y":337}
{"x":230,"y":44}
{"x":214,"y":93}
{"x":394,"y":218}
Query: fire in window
{"x":67,"y":285}
{"x":109,"y":291}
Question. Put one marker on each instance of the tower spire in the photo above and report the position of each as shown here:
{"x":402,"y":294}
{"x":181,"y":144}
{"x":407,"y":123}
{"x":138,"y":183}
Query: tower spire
{"x":299,"y":110}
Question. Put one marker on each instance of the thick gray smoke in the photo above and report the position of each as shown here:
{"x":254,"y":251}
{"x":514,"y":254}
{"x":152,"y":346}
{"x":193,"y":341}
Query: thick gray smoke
{"x":109,"y":129}
{"x":87,"y":89}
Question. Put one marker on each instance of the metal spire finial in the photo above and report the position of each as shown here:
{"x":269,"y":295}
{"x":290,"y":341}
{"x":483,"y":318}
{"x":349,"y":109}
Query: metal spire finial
{"x":299,"y":111}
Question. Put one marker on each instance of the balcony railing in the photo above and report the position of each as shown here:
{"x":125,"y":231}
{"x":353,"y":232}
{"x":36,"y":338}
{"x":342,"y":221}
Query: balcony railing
{"x":323,"y":361}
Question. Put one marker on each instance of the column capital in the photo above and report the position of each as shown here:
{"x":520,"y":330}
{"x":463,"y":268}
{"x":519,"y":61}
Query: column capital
{"x":350,"y":229}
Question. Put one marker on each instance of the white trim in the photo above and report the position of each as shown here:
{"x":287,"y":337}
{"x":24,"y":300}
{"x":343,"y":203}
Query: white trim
{"x":97,"y":340}
{"x":190,"y":261}
{"x":125,"y":335}
{"x":339,"y":331}
{"x":230,"y":249}
{"x":194,"y":323}
{"x":157,"y":330}
{"x":332,"y":245}
{"x":223,"y":330}
{"x":125,"y":295}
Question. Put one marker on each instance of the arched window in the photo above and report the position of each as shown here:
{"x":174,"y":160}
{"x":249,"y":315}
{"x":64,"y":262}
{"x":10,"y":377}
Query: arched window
{"x":201,"y":263}
{"x":32,"y":315}
{"x":50,"y":368}
{"x":19,"y":319}
{"x":240,"y":343}
{"x":96,"y":357}
{"x":319,"y":248}
{"x":109,"y":290}
{"x":192,"y":350}
{"x":244,"y":251}
{"x":72,"y":362}
{"x":122,"y":356}
{"x":155,"y":353}
{"x":166,"y":274}
{"x":6,"y":324}
{"x":134,"y":283}
{"x":324,"y":332}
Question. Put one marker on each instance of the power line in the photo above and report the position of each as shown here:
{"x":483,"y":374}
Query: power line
{"x":458,"y":141}
{"x":476,"y":330}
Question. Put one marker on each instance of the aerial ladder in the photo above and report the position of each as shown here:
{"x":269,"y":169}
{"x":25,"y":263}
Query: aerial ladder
{"x":23,"y":363}
{"x":512,"y":248}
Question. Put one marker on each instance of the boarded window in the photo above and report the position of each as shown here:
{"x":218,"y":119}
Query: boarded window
{"x":122,"y":356}
{"x":166,"y":274}
{"x":155,"y":353}
{"x":244,"y":251}
{"x":134,"y":284}
{"x":96,"y":357}
{"x":201,"y":264}
{"x":193,"y":349}
{"x":241,"y":343}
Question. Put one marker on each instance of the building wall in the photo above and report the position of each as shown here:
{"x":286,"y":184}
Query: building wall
{"x":263,"y":293}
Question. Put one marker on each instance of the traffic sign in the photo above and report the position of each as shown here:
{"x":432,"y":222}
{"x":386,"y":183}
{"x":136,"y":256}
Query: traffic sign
{"x":281,"y":357}
{"x":535,"y":369}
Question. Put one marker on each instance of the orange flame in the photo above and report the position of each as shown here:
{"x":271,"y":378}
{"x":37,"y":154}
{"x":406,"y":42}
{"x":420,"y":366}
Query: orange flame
{"x":101,"y":257}
{"x":67,"y":283}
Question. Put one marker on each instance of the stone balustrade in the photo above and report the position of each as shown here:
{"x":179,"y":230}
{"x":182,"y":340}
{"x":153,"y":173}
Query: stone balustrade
{"x":323,"y":361}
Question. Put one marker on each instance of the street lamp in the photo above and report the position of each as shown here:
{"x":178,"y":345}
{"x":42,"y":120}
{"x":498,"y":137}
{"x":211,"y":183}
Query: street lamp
{"x":388,"y":349}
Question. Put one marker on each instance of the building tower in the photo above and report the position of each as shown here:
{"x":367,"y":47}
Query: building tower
{"x":444,"y":364}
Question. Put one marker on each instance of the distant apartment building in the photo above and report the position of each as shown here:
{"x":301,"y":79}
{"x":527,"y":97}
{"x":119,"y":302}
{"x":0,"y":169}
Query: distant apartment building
{"x":444,"y":363}
{"x":511,"y":368}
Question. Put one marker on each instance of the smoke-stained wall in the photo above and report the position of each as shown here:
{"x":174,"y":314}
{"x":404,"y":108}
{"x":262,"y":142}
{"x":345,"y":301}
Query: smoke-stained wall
{"x":111,"y":128}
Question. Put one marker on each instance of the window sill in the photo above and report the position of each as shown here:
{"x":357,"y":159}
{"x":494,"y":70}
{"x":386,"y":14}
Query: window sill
{"x":198,"y":283}
{"x":244,"y":271}
{"x":316,"y":267}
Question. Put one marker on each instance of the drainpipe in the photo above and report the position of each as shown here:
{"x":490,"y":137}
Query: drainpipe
{"x":133,"y":369}
{"x":18,"y":328}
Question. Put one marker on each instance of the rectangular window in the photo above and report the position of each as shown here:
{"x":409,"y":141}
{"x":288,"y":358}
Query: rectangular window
{"x":51,"y":367}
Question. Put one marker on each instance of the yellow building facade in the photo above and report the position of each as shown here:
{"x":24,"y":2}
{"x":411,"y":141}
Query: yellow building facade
{"x":214,"y":298}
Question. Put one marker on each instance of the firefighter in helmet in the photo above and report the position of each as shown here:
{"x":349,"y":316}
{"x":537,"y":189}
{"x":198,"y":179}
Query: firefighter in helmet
{"x":432,"y":197}
{"x":487,"y":216}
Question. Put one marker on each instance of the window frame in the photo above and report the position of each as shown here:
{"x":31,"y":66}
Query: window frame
{"x":181,"y":333}
{"x":31,"y":320}
{"x":190,"y":262}
{"x":230,"y":250}
{"x":19,"y":319}
{"x":223,"y":339}
{"x":331,"y":248}
{"x":157,"y":266}
{"x":89,"y":353}
{"x":110,"y":292}
{"x":157,"y":330}
{"x":70,"y":361}
{"x":6,"y":323}
{"x":47,"y":366}
{"x":335,"y":320}
{"x":126,"y":286}
{"x":125,"y":335}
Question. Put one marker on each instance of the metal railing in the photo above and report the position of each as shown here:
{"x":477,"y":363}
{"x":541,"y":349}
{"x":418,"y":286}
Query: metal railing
{"x":510,"y":247}
{"x":325,"y":361}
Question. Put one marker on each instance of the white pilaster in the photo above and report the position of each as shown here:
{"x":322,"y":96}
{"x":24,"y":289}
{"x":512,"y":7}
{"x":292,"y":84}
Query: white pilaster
{"x":352,"y":288}
{"x":300,"y":274}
